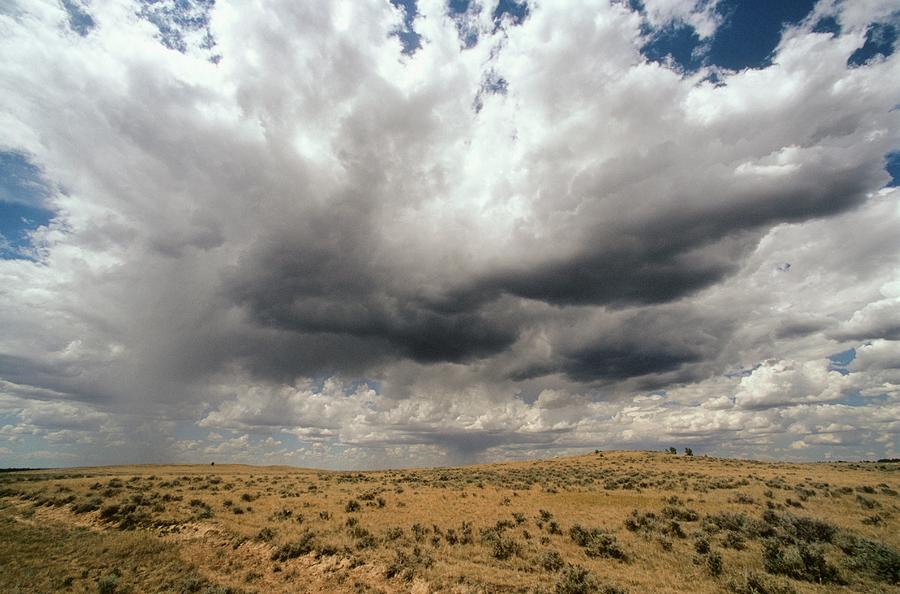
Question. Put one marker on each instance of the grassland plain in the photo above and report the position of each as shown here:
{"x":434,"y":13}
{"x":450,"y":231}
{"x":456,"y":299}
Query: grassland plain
{"x":605,"y":522}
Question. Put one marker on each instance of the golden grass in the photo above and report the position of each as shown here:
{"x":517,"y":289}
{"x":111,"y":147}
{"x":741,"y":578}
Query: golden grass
{"x":210,"y":528}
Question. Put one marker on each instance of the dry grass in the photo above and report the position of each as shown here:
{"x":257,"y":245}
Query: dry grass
{"x":638,"y":522}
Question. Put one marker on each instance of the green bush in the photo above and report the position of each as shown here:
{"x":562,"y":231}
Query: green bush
{"x":801,"y":562}
{"x":799,"y":528}
{"x":552,"y":561}
{"x":88,"y":505}
{"x":681,"y":514}
{"x":504,"y":547}
{"x":575,"y":579}
{"x":714,"y":563}
{"x":302,"y":546}
{"x":734,"y":540}
{"x":870,"y":557}
{"x":596,"y":542}
{"x":758,"y":583}
{"x":406,"y":565}
{"x":107,"y":584}
{"x":578,"y":580}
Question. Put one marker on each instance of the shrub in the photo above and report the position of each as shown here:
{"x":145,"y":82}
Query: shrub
{"x":873,"y":520}
{"x":726,"y":521}
{"x":681,"y":514}
{"x":198,"y":584}
{"x":364,"y":539}
{"x":637,"y":521}
{"x":465,"y":533}
{"x":192,"y":584}
{"x":107,"y":584}
{"x":282,"y":514}
{"x":406,"y":565}
{"x":450,"y":536}
{"x":866,"y":502}
{"x":302,"y":546}
{"x":873,"y":558}
{"x":504,"y":547}
{"x":419,"y":532}
{"x":596,"y":542}
{"x":733,"y":540}
{"x":803,"y":562}
{"x":701,"y":545}
{"x":674,"y":529}
{"x":798,"y":528}
{"x":758,"y":583}
{"x":714,"y":563}
{"x":89,"y":505}
{"x":109,"y":512}
{"x":352,"y":506}
{"x":552,"y":561}
{"x":577,"y":580}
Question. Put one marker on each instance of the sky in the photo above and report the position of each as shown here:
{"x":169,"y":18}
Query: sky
{"x":383,"y":233}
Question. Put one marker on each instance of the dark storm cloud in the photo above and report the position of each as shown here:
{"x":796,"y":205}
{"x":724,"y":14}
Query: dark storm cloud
{"x":277,"y":355}
{"x":36,"y":373}
{"x":332,"y":276}
{"x":467,"y":443}
{"x":60,"y":378}
{"x":800,"y":328}
{"x":341,"y":290}
{"x":663,"y":259}
{"x":613,"y":362}
{"x":616,"y":276}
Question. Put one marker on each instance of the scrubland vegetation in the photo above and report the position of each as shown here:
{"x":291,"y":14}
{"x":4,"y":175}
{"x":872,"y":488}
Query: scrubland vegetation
{"x":606,"y":522}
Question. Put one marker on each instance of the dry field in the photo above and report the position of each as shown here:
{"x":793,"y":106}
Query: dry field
{"x":606,"y":522}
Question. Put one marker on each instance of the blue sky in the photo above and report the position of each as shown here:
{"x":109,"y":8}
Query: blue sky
{"x":749,"y":34}
{"x":23,"y":202}
{"x":394,"y":232}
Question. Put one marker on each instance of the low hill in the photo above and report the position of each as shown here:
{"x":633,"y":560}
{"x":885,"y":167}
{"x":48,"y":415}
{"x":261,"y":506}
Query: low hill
{"x":606,"y":522}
